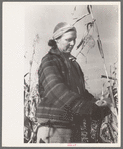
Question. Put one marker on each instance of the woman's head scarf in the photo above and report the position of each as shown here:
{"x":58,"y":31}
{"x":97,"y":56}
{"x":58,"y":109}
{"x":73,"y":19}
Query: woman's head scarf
{"x":62,"y":28}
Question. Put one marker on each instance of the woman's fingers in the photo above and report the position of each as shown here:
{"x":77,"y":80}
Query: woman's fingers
{"x":101,"y":103}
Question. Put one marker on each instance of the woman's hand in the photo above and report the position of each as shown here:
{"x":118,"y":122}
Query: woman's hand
{"x":101,"y":103}
{"x":104,"y":102}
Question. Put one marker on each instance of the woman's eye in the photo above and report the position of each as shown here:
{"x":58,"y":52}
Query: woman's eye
{"x":68,"y":40}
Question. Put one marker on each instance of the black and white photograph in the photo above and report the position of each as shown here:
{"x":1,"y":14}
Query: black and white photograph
{"x":70,"y":73}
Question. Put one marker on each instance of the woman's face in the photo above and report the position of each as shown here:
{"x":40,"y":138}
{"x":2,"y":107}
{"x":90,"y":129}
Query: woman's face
{"x":67,"y":41}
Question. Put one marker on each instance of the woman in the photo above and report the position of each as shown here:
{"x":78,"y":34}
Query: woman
{"x":65,"y":101}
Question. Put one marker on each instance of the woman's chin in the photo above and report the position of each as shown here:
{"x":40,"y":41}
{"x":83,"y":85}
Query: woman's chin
{"x":68,"y":50}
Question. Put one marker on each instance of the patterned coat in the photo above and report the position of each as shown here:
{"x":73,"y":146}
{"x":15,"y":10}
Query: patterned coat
{"x":62,"y":88}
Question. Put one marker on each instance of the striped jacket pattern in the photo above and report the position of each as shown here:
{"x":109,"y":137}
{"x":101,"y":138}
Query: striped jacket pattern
{"x":62,"y":88}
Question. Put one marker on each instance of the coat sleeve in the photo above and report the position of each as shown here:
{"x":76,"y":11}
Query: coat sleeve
{"x":86,"y":93}
{"x":55,"y":89}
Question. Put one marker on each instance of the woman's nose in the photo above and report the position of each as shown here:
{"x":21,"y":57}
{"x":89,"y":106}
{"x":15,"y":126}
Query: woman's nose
{"x":72,"y":43}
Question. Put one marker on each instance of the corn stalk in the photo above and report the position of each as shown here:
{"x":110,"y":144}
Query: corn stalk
{"x":83,"y":43}
{"x":29,"y":91}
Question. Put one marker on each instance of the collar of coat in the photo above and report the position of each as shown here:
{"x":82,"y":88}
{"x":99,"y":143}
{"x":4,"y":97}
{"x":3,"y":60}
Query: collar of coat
{"x":57,"y":52}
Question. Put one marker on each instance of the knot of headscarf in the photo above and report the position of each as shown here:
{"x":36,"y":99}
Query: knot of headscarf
{"x":61,"y":28}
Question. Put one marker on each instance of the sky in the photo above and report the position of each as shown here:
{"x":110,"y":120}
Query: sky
{"x":42,"y":19}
